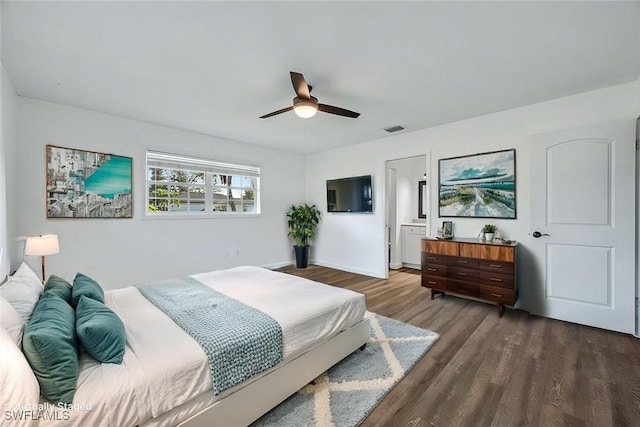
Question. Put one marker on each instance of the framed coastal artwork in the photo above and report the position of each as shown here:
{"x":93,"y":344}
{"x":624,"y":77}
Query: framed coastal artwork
{"x":87,"y":184}
{"x":478,"y":186}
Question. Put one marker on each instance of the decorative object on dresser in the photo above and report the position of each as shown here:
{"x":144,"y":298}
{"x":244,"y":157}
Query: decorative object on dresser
{"x":467,"y":267}
{"x":488,"y":232}
{"x":479,"y":186}
{"x":447,"y":229}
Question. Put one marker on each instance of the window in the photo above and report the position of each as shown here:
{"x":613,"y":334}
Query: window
{"x":181,"y":185}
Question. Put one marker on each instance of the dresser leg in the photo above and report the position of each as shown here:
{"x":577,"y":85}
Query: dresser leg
{"x":434,"y":293}
{"x":500,"y":310}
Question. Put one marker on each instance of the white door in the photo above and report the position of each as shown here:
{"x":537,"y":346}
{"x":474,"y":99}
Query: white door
{"x":583,"y":212}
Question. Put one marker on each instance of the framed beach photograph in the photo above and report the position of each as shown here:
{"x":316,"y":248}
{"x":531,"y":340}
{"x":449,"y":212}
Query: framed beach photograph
{"x":478,"y":186}
{"x":87,"y":184}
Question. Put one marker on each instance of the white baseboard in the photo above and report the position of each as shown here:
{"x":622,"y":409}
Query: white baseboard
{"x":395,"y":265}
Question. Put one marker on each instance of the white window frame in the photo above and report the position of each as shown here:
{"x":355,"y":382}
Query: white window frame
{"x":158,"y":159}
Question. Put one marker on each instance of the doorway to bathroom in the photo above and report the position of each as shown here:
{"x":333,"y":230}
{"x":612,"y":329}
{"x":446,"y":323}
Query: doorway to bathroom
{"x":407,"y":210}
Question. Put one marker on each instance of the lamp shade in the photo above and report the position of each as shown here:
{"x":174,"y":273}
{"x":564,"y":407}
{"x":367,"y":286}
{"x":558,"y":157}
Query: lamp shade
{"x":47,"y":244}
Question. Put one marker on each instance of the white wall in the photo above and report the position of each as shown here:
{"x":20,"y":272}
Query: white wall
{"x":357,"y":243}
{"x":8,"y":142}
{"x":409,"y":172}
{"x":121,"y":252}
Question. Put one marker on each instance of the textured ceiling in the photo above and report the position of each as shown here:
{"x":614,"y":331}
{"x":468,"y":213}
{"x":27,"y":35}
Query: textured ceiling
{"x":215,"y":67}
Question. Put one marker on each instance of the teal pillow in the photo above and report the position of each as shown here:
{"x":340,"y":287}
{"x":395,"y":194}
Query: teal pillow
{"x":100,"y":331}
{"x":84,"y":285}
{"x":60,"y":287}
{"x":50,"y":344}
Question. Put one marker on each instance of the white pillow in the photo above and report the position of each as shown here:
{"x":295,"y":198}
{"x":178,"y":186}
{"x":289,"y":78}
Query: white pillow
{"x":25,"y":271}
{"x":11,"y":321}
{"x":18,"y":384}
{"x":22,"y":291}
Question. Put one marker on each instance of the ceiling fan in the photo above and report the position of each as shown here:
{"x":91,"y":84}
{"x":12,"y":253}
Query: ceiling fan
{"x":305,"y":105}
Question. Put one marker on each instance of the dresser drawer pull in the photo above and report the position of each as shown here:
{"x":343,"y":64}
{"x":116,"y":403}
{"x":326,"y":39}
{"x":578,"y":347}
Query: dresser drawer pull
{"x":495,"y":279}
{"x":496,"y":295}
{"x":463,"y":262}
{"x":495,"y":265}
{"x":432,"y":258}
{"x":431,"y":282}
{"x":463,"y":274}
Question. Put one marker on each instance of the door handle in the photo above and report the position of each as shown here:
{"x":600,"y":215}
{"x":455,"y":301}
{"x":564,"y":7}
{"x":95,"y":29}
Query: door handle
{"x":538,"y":234}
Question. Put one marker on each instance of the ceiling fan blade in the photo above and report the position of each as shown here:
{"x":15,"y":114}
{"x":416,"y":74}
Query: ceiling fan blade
{"x":284,"y":110}
{"x":338,"y":111}
{"x":300,"y":85}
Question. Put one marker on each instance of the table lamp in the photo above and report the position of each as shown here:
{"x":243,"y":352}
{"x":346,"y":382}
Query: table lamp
{"x":46,"y":244}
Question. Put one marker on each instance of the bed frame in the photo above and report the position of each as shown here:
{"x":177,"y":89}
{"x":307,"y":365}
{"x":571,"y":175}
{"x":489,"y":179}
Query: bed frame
{"x":256,"y":399}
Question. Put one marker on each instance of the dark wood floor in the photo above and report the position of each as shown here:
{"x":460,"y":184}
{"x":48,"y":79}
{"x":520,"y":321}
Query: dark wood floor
{"x":509,"y":371}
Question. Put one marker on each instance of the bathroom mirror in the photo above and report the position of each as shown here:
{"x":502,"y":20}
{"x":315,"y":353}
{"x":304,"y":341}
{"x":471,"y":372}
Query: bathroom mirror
{"x":422,"y":199}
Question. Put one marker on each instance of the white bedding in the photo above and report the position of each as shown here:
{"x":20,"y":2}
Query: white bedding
{"x":165,"y":373}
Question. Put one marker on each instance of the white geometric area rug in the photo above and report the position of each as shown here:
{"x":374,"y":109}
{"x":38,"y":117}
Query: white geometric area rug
{"x":348,"y":392}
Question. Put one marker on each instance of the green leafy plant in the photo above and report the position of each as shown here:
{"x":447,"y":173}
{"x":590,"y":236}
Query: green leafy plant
{"x":302,"y":220}
{"x":489,"y":228}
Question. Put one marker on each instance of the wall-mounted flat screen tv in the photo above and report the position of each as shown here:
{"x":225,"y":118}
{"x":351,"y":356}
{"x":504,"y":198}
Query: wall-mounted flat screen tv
{"x":353,"y":194}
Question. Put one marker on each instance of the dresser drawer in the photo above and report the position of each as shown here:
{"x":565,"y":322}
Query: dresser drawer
{"x":434,"y":282}
{"x":497,"y":266}
{"x":500,"y":295}
{"x":464,"y":288}
{"x":430,"y":258}
{"x":463,"y":274}
{"x":463,"y":262}
{"x":497,"y":253}
{"x":441,"y":247}
{"x":490,"y":278}
{"x":435,"y":269}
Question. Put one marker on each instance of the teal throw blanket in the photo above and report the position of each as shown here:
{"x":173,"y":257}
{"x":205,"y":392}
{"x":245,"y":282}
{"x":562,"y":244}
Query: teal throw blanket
{"x":240,"y":341}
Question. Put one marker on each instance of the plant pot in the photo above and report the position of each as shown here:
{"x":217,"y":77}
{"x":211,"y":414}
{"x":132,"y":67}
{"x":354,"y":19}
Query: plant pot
{"x":489,"y":236}
{"x":302,"y":256}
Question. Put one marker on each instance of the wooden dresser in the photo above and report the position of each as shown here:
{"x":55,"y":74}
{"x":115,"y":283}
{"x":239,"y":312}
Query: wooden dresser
{"x":469,"y":267}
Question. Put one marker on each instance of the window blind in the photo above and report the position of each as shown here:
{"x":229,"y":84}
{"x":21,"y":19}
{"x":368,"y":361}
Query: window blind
{"x":173,"y":161}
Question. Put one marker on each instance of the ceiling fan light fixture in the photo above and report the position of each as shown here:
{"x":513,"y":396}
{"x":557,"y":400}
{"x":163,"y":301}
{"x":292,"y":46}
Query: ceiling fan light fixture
{"x":305,"y":108}
{"x":305,"y":105}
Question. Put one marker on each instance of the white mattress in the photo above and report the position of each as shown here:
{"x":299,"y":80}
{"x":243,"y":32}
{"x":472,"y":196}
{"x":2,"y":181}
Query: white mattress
{"x":165,"y":375}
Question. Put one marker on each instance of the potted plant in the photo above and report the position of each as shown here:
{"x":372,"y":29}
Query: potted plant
{"x":302,"y":220}
{"x":489,"y":231}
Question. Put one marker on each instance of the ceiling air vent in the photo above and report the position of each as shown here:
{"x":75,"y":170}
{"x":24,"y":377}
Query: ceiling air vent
{"x":392,"y":129}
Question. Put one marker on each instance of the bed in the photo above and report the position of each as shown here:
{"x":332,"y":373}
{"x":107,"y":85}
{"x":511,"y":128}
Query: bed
{"x":165,"y":378}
